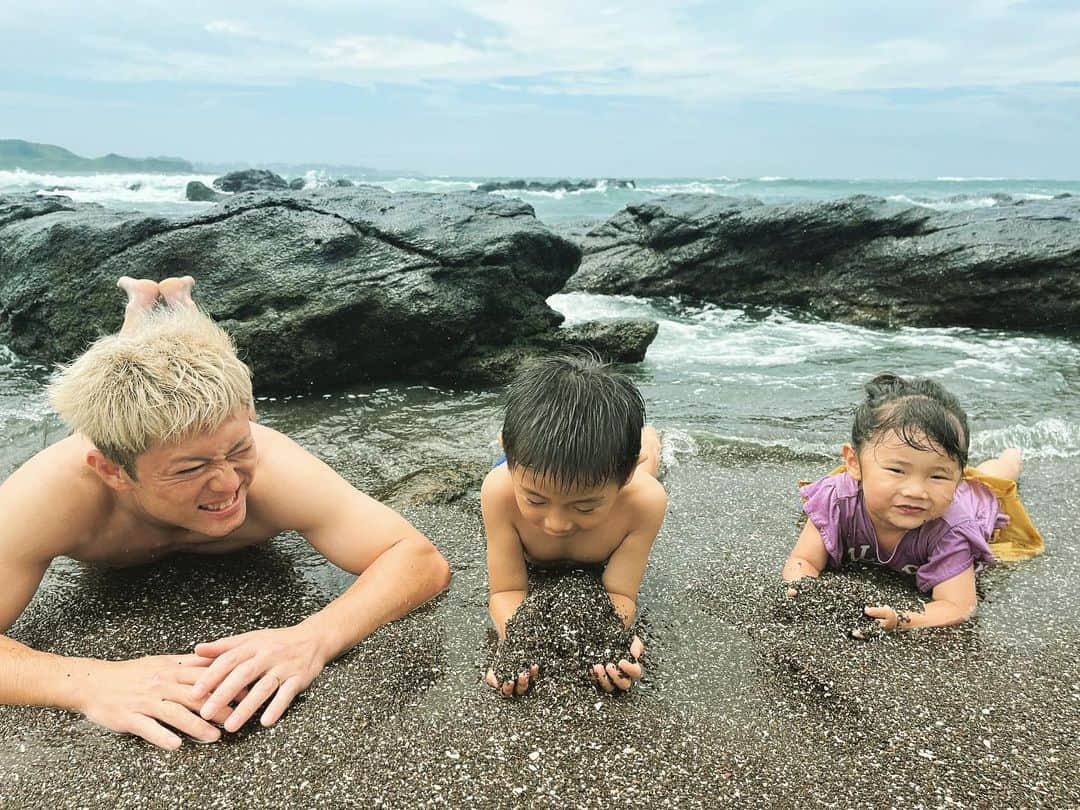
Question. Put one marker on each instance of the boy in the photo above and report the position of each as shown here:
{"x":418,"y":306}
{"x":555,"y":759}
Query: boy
{"x":578,"y":486}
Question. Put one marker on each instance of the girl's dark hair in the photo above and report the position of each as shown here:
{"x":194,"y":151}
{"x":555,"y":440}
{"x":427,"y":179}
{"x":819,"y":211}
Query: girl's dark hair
{"x":921,"y":412}
{"x":573,"y":420}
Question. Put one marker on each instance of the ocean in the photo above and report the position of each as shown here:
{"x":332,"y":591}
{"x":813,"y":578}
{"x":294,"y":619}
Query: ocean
{"x":746,"y":383}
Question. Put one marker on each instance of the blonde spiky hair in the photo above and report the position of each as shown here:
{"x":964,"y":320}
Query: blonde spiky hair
{"x":175,"y":375}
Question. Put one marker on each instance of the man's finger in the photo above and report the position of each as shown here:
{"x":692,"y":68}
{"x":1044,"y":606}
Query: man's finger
{"x":282,"y":700}
{"x":186,"y":721}
{"x":226,"y":693}
{"x":637,"y":647}
{"x":261,"y":692}
{"x":154,"y":733}
{"x":194,"y":661}
{"x":212,"y":649}
{"x":218,"y":671}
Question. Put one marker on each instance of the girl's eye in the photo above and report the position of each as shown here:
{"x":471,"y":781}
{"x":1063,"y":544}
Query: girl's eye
{"x":895,"y":470}
{"x":587,"y":511}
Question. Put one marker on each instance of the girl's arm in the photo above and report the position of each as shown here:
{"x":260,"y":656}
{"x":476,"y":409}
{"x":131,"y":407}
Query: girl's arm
{"x":808,"y":558}
{"x":954,"y":601}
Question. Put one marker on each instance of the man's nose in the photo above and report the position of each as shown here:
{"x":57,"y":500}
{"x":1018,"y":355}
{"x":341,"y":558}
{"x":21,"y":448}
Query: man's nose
{"x":226,"y":478}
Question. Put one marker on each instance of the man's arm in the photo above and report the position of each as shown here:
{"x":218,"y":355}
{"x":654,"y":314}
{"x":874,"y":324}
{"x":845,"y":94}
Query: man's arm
{"x":398,"y":569}
{"x":138,"y":697}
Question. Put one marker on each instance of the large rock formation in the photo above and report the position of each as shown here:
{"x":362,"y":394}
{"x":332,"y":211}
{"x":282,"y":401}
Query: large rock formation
{"x":860,"y":260}
{"x":319,"y":288}
{"x":199,"y":192}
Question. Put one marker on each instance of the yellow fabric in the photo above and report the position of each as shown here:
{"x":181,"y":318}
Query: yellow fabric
{"x":1016,"y":540}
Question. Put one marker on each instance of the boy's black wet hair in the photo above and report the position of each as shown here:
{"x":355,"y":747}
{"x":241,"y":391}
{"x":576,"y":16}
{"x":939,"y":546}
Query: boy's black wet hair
{"x":572,"y":420}
{"x":920,"y":411}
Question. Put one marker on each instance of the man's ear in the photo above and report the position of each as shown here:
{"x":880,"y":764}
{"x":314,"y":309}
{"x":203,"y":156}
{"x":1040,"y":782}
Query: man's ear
{"x":851,"y":462}
{"x":111,"y":474}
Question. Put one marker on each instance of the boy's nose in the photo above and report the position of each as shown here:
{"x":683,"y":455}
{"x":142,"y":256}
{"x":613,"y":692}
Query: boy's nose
{"x":553,"y":524}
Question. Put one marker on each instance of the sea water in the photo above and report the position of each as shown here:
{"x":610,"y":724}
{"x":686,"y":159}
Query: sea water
{"x":751,"y":382}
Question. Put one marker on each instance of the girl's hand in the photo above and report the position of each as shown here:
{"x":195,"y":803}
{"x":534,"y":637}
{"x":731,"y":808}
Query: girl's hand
{"x":886,"y":616}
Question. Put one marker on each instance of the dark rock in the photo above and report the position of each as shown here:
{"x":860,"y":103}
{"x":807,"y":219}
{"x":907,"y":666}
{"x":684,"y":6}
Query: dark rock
{"x":623,"y":340}
{"x":860,"y":260}
{"x":557,"y":185}
{"x":440,"y":484}
{"x":136,"y":186}
{"x":342,"y":182}
{"x":200,"y":192}
{"x":297,"y":183}
{"x":323,"y":288}
{"x":250,"y":180}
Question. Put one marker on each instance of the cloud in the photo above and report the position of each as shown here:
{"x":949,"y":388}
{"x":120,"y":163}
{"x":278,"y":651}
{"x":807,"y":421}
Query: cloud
{"x":684,"y":50}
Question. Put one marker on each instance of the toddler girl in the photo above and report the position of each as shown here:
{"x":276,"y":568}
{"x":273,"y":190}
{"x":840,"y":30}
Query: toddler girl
{"x":906,"y":499}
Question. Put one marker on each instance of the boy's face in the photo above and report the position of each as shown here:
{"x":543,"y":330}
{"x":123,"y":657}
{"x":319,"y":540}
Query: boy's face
{"x":560,"y":512}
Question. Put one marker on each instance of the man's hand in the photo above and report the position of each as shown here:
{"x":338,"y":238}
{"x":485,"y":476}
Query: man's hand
{"x":148,"y":696}
{"x":254,"y":667}
{"x":513,"y":686}
{"x":610,"y":677}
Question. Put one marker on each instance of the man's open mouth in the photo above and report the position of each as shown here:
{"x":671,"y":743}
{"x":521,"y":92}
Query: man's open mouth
{"x":221,"y":506}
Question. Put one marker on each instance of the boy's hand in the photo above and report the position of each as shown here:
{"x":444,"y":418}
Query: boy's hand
{"x":621,"y":676}
{"x":514,"y":686}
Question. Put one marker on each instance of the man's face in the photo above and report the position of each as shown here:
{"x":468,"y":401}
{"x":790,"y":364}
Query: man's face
{"x":558,"y":511}
{"x":199,"y":483}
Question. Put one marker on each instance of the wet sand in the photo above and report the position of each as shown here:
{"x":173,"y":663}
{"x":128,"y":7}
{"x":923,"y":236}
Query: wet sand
{"x":746,"y":701}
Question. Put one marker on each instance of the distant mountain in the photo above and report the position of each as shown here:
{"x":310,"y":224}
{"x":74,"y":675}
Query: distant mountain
{"x":43,"y":157}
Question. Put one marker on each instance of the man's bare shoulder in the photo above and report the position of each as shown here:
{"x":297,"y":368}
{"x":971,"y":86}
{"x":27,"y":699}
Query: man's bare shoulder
{"x":52,"y":502}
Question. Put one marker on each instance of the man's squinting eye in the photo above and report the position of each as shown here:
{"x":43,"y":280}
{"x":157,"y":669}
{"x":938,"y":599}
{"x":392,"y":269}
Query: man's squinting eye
{"x":190,"y":470}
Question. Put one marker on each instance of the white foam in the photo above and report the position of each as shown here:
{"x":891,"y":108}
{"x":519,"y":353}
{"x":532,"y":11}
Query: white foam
{"x":1052,"y":437}
{"x":111,"y":189}
{"x":946,"y":205}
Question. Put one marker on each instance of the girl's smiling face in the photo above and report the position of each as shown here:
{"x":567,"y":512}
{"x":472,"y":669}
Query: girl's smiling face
{"x":903,"y":486}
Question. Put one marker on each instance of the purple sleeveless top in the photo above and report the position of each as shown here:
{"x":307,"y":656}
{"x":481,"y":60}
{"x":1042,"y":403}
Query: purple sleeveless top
{"x":934,"y":552}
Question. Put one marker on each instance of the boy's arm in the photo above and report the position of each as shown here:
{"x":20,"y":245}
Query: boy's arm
{"x":508,"y":577}
{"x":398,"y":568}
{"x":626,"y":566}
{"x":808,"y":558}
{"x":953,"y":602}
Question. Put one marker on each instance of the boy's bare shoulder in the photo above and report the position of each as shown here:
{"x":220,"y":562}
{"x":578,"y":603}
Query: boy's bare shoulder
{"x":645,"y":496}
{"x":497,"y":491}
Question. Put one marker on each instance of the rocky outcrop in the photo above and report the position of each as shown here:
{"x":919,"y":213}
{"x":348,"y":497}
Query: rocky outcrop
{"x":250,"y":180}
{"x":319,"y":288}
{"x":555,"y":185}
{"x":200,"y":192}
{"x":297,"y":183}
{"x":860,"y":260}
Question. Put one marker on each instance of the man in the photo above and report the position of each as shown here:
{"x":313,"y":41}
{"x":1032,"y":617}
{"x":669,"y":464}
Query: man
{"x":165,"y":457}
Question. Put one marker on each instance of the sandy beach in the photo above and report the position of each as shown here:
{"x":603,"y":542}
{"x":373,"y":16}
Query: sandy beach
{"x":744,"y":703}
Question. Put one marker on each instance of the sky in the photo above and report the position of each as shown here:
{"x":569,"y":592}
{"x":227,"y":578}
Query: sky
{"x":549,"y":88}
